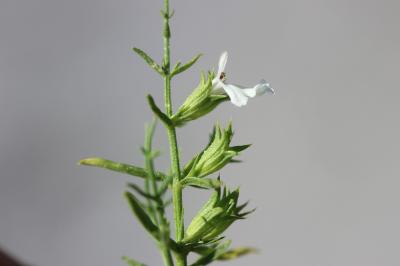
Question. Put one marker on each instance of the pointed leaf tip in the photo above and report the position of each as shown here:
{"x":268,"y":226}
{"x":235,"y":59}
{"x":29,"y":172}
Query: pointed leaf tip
{"x":236,"y":253}
{"x":141,"y":214}
{"x":132,"y":262}
{"x":156,"y":110}
{"x":180,"y":69}
{"x":149,"y":61}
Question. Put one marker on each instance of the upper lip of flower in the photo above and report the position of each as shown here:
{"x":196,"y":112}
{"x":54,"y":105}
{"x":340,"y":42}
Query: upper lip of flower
{"x":238,"y":94}
{"x":221,"y":76}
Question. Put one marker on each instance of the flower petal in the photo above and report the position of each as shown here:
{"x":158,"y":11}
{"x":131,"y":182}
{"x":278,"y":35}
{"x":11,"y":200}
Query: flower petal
{"x":217,"y":84}
{"x":258,"y":89}
{"x":222,"y":63}
{"x":236,"y":94}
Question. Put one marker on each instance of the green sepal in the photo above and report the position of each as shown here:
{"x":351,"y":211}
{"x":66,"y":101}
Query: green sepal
{"x":200,"y":102}
{"x":150,"y":61}
{"x":179,"y":69}
{"x":189,"y":169}
{"x":201,"y":182}
{"x":239,"y":148}
{"x":163,"y":117}
{"x":216,"y":155}
{"x":217,"y":214}
{"x":142,"y":216}
{"x":202,"y":224}
{"x":132,"y":262}
{"x":119,"y":167}
{"x":219,"y":228}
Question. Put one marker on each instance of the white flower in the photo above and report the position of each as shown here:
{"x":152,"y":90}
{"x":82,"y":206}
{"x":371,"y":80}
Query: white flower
{"x":239,"y":95}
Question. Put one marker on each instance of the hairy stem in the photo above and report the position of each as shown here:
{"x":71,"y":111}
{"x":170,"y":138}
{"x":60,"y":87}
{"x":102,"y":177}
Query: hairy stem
{"x":174,"y":153}
{"x":159,"y":208}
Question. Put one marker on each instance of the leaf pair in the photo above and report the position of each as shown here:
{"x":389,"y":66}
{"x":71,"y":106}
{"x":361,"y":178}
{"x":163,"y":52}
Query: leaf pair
{"x":161,"y":70}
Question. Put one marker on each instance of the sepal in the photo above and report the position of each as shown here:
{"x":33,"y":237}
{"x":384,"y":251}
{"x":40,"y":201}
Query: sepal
{"x":202,"y":101}
{"x":216,"y":155}
{"x":201,"y":182}
{"x":219,"y":212}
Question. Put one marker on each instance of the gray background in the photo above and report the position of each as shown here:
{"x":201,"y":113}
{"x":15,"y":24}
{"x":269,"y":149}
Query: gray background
{"x":324,"y":170}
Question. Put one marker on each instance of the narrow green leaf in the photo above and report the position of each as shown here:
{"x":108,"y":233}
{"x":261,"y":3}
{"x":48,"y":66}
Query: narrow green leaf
{"x":140,"y":191}
{"x":222,"y":248}
{"x":149,"y":61}
{"x":201,"y":182}
{"x":186,"y":66}
{"x":168,"y":202}
{"x":163,"y":117}
{"x":119,"y":167}
{"x":212,"y":254}
{"x":236,"y":253}
{"x":141,"y":215}
{"x":164,"y":186}
{"x":205,"y":259}
{"x":177,"y":65}
{"x":132,"y":262}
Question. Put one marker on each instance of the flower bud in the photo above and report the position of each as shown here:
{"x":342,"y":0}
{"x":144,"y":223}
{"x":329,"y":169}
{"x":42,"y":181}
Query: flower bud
{"x":217,"y":154}
{"x":220,"y":211}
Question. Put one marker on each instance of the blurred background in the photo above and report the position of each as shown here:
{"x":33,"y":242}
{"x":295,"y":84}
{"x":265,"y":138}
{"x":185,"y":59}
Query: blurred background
{"x":324,"y":169}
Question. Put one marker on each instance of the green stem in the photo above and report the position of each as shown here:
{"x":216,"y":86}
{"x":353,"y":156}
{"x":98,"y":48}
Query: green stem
{"x":181,"y":259}
{"x":159,"y":208}
{"x":174,"y":153}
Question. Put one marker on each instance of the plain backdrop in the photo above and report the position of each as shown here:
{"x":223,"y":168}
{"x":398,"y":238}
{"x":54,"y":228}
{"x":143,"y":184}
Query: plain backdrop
{"x":324,"y":169}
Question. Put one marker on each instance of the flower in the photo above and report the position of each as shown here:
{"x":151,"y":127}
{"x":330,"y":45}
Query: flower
{"x":238,"y":95}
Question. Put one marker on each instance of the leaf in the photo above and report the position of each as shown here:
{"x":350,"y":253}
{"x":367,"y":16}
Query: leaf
{"x":163,"y":117}
{"x":212,"y":254}
{"x":149,"y":61}
{"x":132,"y":262}
{"x":141,"y":214}
{"x":201,"y":182}
{"x":119,"y":167}
{"x":164,"y":186}
{"x":236,"y":253}
{"x":179,"y":69}
{"x":141,"y":192}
